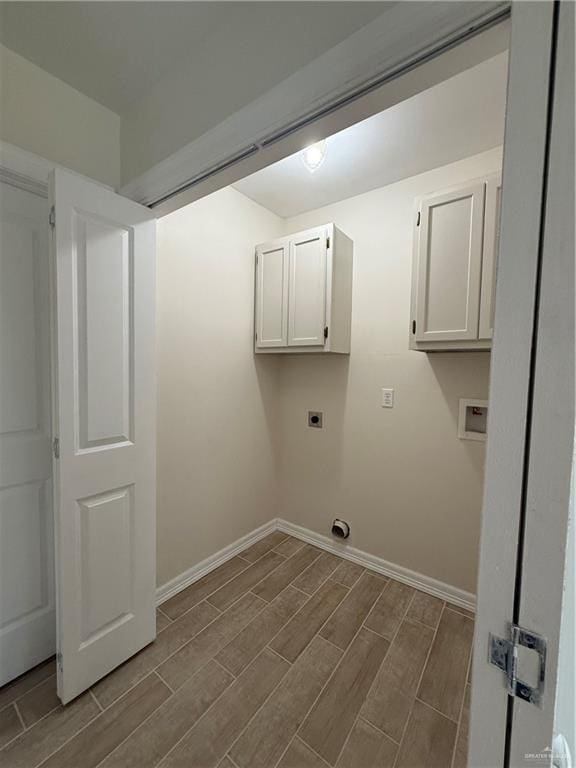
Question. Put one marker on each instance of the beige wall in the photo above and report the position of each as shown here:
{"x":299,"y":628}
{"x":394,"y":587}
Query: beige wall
{"x":42,"y":114}
{"x":216,"y":403}
{"x":410,"y":489}
{"x":234,"y":449}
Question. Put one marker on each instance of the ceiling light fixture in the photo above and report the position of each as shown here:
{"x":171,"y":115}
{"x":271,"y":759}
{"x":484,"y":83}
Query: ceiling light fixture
{"x":314,"y":155}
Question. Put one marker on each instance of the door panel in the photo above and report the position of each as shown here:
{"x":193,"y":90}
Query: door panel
{"x":105,"y":270}
{"x":307,"y":289}
{"x":449,"y":263}
{"x":104,"y":256}
{"x":27,"y":616}
{"x":490,"y":256}
{"x":272,"y":295}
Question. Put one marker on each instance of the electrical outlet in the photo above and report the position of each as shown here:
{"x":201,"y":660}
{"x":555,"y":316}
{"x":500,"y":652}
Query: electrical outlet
{"x":387,"y":398}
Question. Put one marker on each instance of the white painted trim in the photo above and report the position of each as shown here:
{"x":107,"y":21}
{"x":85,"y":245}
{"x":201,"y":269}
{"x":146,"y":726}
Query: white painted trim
{"x":183,"y":580}
{"x":427,"y":584}
{"x":392,"y":44}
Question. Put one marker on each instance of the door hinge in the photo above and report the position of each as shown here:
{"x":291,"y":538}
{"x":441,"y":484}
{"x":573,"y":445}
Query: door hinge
{"x":52,"y":217}
{"x":418,"y":219}
{"x":56,"y":447}
{"x":327,"y":243}
{"x":413,"y":326}
{"x":503,"y":653}
{"x":326,"y":332}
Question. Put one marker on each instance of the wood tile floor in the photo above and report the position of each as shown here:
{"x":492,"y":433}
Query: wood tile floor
{"x":284,"y":656}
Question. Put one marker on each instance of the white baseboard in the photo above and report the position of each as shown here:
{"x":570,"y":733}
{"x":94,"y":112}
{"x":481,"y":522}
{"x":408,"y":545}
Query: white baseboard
{"x":414,"y":579}
{"x":419,"y":581}
{"x":178,"y":583}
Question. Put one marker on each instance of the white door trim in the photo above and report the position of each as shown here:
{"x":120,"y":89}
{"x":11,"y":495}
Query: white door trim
{"x":523,"y":174}
{"x":394,"y":43}
{"x":552,"y":418}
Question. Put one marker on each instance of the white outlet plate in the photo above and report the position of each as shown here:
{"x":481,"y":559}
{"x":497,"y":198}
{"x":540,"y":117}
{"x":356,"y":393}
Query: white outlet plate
{"x":387,"y":398}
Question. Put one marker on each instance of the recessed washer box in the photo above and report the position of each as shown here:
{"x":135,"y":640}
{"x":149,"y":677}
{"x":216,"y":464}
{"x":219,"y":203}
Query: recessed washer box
{"x":472,"y":419}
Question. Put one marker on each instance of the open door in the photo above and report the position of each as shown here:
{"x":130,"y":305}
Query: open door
{"x":522,"y":711}
{"x":103,"y":260}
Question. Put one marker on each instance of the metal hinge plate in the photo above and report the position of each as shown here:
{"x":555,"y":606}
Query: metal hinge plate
{"x":503,"y":653}
{"x":327,"y":243}
{"x":418,"y":219}
{"x":52,"y":217}
{"x":326,"y":332}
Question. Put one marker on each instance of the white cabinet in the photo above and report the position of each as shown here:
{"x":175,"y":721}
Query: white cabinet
{"x":304,"y":292}
{"x":455,"y":252}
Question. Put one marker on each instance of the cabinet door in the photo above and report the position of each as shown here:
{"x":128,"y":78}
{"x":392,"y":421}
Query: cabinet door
{"x":490,"y":256}
{"x":449,"y":264}
{"x":272,"y":295}
{"x":307,"y":289}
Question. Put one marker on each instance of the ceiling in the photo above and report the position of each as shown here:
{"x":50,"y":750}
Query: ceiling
{"x":115,"y":51}
{"x":455,"y":119}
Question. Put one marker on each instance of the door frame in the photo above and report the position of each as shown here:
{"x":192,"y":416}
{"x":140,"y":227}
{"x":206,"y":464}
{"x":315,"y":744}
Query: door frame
{"x":525,"y":171}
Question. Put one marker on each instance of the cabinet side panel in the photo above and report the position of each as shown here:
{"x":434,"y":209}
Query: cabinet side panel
{"x":341,"y":310}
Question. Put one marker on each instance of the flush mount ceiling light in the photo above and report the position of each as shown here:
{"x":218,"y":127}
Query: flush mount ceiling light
{"x":314,"y":155}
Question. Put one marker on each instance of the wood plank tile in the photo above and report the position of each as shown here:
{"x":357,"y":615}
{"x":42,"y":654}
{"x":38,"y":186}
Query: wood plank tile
{"x":389,"y":701}
{"x":367,"y":748}
{"x":299,"y":631}
{"x":18,"y":687}
{"x":460,"y":759}
{"x":260,"y":548}
{"x":286,"y":573}
{"x":247,"y":645}
{"x":226,"y":763}
{"x":10,"y":725}
{"x":299,"y":755}
{"x":209,"y":740}
{"x":426,"y":609}
{"x":107,"y":731}
{"x":332,"y":716}
{"x":273,"y":727}
{"x":199,"y":590}
{"x":226,"y":595}
{"x":463,"y":611}
{"x":289,"y":546}
{"x":428,"y":740}
{"x":34,"y":745}
{"x":348,"y":573}
{"x":38,"y":702}
{"x":152,"y":740}
{"x":162,"y":621}
{"x":210,"y":641}
{"x":317,"y":573}
{"x":390,"y":609}
{"x":387,"y":706}
{"x":167,"y":642}
{"x":345,"y":621}
{"x":444,"y":678}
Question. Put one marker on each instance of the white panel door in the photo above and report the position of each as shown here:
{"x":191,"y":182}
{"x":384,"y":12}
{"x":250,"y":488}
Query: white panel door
{"x":307,"y":288}
{"x":105,"y":500}
{"x":491,"y":247}
{"x":27,"y":616}
{"x":272,"y":294}
{"x":449,"y":264}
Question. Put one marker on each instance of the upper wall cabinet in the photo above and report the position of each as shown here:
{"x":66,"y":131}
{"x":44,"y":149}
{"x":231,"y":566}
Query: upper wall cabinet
{"x":304,"y":292}
{"x":455,"y":252}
